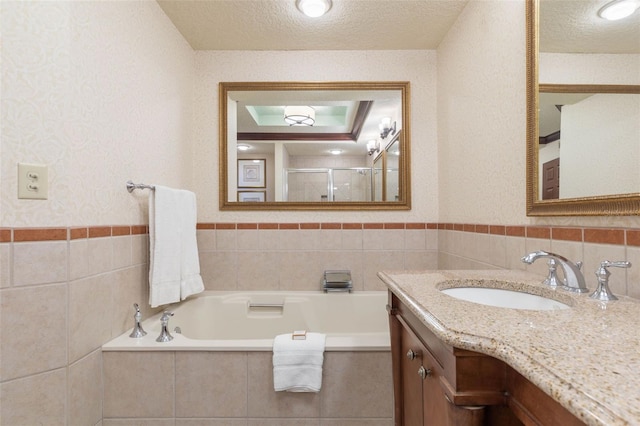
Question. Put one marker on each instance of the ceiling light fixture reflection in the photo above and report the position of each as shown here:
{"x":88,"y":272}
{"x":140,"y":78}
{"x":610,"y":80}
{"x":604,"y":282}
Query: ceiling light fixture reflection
{"x":313,"y":8}
{"x":618,"y":9}
{"x":335,"y":151}
{"x":243,"y":147}
{"x":299,"y":115}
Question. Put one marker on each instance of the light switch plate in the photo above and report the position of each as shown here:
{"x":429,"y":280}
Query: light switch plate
{"x":33,"y":181}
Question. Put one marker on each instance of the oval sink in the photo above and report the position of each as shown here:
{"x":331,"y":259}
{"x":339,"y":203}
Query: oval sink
{"x":504,"y":298}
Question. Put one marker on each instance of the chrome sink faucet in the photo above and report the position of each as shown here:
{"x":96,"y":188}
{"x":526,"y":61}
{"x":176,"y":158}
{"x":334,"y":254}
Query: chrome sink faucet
{"x":574,"y":280}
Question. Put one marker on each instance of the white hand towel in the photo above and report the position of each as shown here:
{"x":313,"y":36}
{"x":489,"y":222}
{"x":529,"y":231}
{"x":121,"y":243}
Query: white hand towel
{"x":174,"y":268}
{"x":297,"y":364}
{"x":190,"y":279}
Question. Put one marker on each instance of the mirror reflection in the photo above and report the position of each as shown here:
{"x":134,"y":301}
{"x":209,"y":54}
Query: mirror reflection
{"x":392,"y":165}
{"x":313,"y":145}
{"x":583,"y":84}
{"x":589,"y":141}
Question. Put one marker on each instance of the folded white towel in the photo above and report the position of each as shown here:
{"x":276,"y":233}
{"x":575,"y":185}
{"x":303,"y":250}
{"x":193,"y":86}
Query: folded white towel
{"x":174,"y":268}
{"x":190,"y":279}
{"x":297,"y":364}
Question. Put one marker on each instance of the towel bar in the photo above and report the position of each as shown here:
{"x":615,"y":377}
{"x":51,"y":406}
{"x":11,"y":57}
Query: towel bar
{"x":131,"y":186}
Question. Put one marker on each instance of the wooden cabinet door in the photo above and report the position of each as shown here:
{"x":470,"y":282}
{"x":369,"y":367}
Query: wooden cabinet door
{"x":411,"y":381}
{"x":424,"y":403}
{"x":435,"y":404}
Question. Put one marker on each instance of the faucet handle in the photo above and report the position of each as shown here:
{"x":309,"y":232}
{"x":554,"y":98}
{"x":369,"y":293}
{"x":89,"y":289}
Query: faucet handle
{"x":602,"y":273}
{"x":137,"y":331}
{"x":164,"y":319}
{"x":552,"y":279}
{"x":165,"y":336}
{"x":137,"y":315}
{"x":619,"y":264}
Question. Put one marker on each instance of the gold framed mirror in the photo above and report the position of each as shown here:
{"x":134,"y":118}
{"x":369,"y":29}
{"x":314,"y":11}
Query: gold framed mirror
{"x":319,"y":140}
{"x":581,"y":191}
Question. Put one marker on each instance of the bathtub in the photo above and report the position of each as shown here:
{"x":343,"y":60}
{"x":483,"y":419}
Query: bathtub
{"x":248,"y":321}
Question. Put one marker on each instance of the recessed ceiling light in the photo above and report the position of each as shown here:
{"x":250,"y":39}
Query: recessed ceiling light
{"x":243,"y":147}
{"x":335,"y":151}
{"x":313,"y":8}
{"x":618,"y":9}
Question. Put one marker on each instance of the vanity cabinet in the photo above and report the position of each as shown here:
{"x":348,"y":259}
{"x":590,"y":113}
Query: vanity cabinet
{"x":437,"y":384}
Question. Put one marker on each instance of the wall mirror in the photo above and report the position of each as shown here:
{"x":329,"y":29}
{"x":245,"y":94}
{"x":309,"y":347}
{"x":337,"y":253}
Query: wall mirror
{"x":313,"y":145}
{"x":583,"y":140}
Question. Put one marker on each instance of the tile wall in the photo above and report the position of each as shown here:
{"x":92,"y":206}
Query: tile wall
{"x":66,"y":291}
{"x":293,"y":256}
{"x":467,"y":246}
{"x":63,"y":293}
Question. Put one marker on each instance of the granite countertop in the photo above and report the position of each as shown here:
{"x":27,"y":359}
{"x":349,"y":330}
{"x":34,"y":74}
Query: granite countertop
{"x":587,"y":357}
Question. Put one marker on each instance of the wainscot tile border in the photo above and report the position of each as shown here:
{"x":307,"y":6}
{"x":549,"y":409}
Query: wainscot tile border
{"x":596,"y":235}
{"x":19,"y":235}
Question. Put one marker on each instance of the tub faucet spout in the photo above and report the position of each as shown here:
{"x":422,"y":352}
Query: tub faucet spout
{"x":574,"y":280}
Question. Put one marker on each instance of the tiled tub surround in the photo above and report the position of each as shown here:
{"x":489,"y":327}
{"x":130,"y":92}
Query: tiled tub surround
{"x":78,"y":294}
{"x":585,"y":357}
{"x":236,"y":388}
{"x":221,"y":365}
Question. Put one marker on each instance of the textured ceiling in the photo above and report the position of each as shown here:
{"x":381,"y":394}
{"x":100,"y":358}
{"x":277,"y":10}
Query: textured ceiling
{"x":573,"y":26}
{"x":279,"y":25}
{"x":566,"y":25}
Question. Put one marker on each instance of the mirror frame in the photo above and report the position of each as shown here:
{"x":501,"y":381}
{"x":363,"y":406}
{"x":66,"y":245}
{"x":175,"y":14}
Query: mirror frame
{"x":404,"y":202}
{"x":609,"y":205}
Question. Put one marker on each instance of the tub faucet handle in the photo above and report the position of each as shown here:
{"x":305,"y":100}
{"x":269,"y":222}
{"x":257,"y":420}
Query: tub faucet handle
{"x":602,"y":273}
{"x":165,"y":336}
{"x":138,"y":331}
{"x":164,"y":319}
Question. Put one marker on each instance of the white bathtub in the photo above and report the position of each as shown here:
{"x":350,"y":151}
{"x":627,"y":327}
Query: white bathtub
{"x":248,"y":321}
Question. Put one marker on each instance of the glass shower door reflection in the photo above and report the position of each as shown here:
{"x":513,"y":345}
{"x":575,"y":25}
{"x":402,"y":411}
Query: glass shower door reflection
{"x":339,"y":184}
{"x":305,"y":185}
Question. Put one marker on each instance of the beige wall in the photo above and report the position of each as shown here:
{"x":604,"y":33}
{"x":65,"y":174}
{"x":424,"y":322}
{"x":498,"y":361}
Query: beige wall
{"x":571,"y":68}
{"x":101,"y":93}
{"x":418,"y":67}
{"x":481,"y":115}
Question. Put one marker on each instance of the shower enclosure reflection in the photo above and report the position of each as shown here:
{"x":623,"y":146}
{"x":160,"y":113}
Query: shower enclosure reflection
{"x":328,"y":184}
